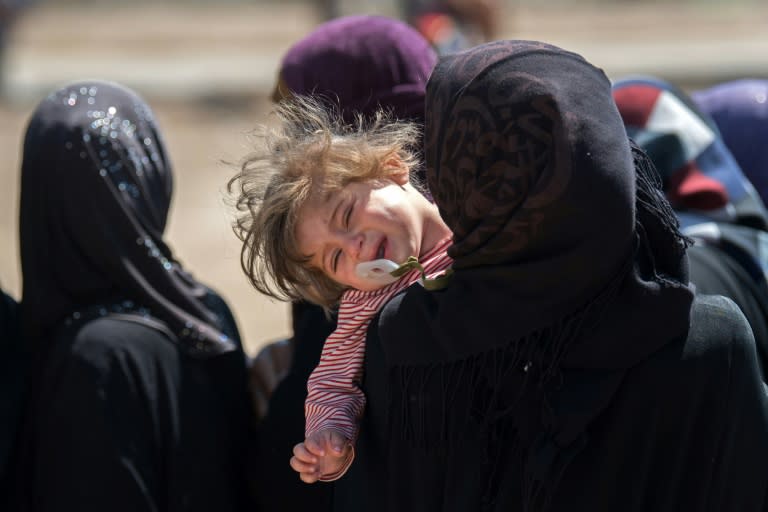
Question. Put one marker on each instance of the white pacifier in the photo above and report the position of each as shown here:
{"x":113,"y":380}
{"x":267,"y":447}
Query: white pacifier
{"x":377,"y":271}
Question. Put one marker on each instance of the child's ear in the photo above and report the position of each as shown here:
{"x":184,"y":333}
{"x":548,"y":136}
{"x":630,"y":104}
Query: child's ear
{"x":398,"y":171}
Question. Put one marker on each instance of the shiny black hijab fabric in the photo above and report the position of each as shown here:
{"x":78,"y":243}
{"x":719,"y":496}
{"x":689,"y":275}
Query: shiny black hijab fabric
{"x":96,"y":187}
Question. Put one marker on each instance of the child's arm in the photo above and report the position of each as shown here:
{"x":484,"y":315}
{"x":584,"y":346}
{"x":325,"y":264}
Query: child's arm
{"x":335,"y":401}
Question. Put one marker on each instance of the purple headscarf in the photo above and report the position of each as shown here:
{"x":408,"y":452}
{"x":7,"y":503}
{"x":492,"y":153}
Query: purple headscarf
{"x":361,"y":63}
{"x":740,"y":110}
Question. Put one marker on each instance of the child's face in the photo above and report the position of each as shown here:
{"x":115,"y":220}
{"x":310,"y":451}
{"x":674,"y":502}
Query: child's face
{"x":367,"y":221}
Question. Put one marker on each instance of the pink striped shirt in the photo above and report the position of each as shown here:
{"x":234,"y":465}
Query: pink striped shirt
{"x":334,"y":399}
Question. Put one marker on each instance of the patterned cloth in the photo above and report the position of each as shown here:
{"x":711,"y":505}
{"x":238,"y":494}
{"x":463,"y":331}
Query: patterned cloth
{"x":718,"y":207}
{"x":702,"y":180}
{"x":740,"y":109}
{"x":334,"y":397}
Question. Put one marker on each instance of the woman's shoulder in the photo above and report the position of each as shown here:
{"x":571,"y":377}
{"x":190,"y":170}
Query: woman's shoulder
{"x":116,"y":355}
{"x":719,"y":332}
{"x":719,"y":316}
{"x":110,"y":337}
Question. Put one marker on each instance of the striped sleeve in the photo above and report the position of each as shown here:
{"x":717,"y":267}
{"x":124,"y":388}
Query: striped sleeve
{"x":334,"y":398}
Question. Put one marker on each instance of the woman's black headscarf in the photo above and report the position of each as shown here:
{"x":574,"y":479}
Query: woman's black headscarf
{"x":567,"y":256}
{"x":531,"y":168}
{"x":95,"y":192}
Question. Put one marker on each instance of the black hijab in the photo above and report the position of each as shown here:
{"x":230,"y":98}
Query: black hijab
{"x":95,"y":192}
{"x":567,"y":258}
{"x":531,"y":169}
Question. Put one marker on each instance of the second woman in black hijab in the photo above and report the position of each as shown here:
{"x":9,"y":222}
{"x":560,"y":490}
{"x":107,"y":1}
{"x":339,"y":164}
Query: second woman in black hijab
{"x":568,"y":365}
{"x":138,"y":400}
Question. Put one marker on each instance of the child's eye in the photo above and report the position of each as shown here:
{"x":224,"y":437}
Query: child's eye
{"x":348,"y":215}
{"x":335,"y":260}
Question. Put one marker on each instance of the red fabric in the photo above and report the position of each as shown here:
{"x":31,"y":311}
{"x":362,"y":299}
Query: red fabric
{"x":689,"y":188}
{"x":435,"y":27}
{"x":636,"y":103}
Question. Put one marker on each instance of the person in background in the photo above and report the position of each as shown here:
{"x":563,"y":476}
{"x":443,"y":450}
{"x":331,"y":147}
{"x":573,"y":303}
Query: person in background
{"x":360,"y":64}
{"x":568,"y":365}
{"x":138,"y":399}
{"x":454,"y":25}
{"x":701,"y":178}
{"x":717,"y":204}
{"x":740,"y":111}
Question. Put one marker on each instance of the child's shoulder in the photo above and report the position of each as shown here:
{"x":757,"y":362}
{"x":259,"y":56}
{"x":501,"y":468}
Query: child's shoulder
{"x":354,"y":300}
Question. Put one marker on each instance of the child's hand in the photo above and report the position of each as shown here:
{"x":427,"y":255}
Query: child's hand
{"x":322,"y":455}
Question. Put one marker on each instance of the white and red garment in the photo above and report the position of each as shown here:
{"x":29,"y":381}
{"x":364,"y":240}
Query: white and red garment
{"x":334,"y":398}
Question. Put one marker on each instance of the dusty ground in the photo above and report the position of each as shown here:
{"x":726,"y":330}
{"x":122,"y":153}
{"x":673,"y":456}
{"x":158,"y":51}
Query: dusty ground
{"x":206,"y":72}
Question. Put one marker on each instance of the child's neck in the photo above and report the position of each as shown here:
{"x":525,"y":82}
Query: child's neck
{"x":434,"y":231}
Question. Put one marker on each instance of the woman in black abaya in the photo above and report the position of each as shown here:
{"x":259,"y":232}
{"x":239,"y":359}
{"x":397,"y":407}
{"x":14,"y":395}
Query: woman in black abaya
{"x":138,"y":398}
{"x":568,"y":365}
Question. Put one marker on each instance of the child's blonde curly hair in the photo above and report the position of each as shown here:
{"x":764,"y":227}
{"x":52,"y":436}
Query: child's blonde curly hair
{"x":310,"y":151}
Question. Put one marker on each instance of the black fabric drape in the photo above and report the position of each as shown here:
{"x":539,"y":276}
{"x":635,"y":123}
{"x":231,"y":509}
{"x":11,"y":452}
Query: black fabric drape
{"x":13,"y":367}
{"x":122,"y":420}
{"x":277,"y":485}
{"x":665,"y":426}
{"x":715,"y":271}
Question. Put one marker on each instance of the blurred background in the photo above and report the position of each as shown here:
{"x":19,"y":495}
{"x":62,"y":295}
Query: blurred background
{"x":208,"y":67}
